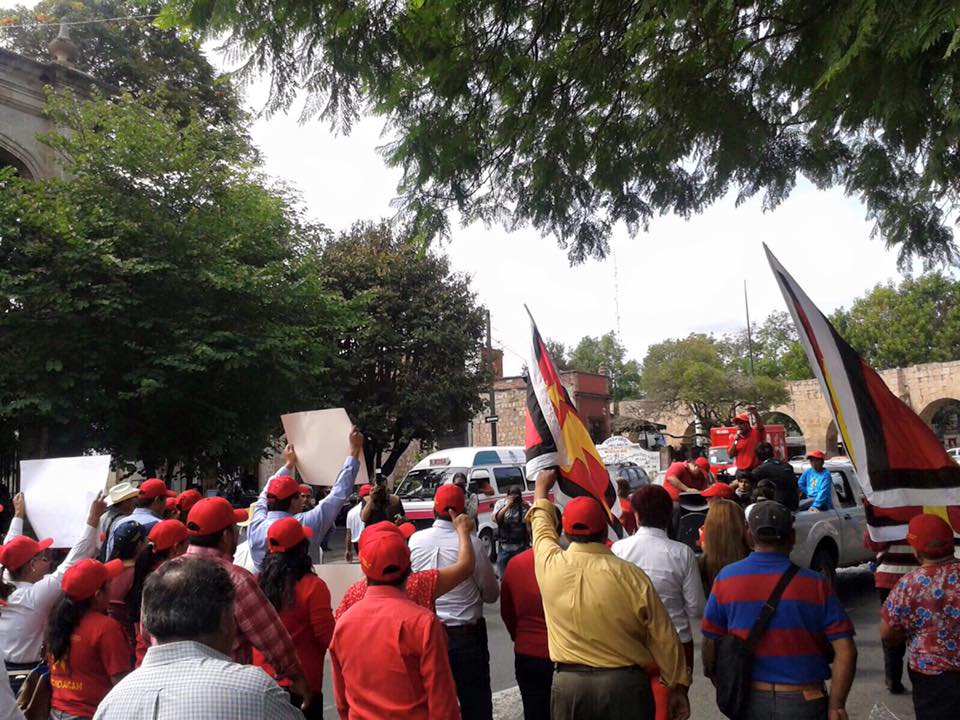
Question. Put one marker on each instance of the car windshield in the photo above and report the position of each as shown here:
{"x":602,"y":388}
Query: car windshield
{"x":718,"y":456}
{"x":422,"y":484}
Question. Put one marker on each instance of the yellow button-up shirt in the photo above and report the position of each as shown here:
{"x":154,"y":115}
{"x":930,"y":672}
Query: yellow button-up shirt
{"x":601,"y":611}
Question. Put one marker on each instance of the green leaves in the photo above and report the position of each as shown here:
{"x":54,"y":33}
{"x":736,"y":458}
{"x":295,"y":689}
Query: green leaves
{"x":573,"y":117}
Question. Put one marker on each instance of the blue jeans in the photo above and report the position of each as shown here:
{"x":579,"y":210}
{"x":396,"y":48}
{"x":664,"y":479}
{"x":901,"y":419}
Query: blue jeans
{"x":470,"y":663}
{"x":504,"y":555}
{"x":768,"y":705}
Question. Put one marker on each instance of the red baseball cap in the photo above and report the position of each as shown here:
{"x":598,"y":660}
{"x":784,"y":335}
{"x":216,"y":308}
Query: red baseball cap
{"x":406,"y":529}
{"x":171,"y":504}
{"x":371,"y":531}
{"x":153,"y":488}
{"x":584,"y":516}
{"x":283,"y":487}
{"x":720,"y":490}
{"x":82,"y":580}
{"x":286,"y":533}
{"x":930,"y":535}
{"x":21,"y":550}
{"x":449,"y":497}
{"x":305,"y":489}
{"x":212,"y":515}
{"x":817,"y":454}
{"x":187,"y":499}
{"x":384,"y":556}
{"x":365,"y":489}
{"x":167,"y":533}
{"x":702,"y":463}
{"x":741,"y":417}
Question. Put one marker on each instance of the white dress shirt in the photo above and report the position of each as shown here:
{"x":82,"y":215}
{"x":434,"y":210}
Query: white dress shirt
{"x":672,"y":568}
{"x":439,"y":546}
{"x":354,"y":523}
{"x":8,"y":703}
{"x":190,"y":681}
{"x":23,"y":620}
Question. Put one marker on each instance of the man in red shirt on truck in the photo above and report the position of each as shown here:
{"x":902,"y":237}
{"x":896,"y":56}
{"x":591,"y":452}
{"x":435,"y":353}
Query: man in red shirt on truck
{"x":750,"y":433}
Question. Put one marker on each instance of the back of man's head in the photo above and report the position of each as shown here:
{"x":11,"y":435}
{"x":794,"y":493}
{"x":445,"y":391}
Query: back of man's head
{"x":188,"y":600}
{"x":764,"y":451}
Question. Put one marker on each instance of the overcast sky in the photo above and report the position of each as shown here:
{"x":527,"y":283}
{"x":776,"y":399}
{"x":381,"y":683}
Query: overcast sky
{"x":680,"y":277}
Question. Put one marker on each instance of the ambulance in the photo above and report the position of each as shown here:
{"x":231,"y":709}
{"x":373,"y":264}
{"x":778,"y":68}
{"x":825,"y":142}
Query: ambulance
{"x":490,"y":472}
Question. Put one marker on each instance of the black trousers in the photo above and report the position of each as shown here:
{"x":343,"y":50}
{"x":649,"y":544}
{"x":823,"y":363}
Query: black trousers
{"x":936,"y":697}
{"x":601,"y":694}
{"x":534,"y":677}
{"x":470,"y":663}
{"x":892,"y":654}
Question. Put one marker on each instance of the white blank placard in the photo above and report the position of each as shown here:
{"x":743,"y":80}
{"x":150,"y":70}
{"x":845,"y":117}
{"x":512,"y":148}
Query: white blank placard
{"x":321,"y":439}
{"x":58,"y":492}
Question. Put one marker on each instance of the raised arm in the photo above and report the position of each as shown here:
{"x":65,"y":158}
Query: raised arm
{"x":19,"y":513}
{"x":543,"y":520}
{"x":47,"y":589}
{"x":452,"y":575}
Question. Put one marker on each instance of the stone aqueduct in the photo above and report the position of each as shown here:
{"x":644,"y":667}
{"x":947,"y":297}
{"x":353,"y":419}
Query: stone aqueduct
{"x":925,"y":388}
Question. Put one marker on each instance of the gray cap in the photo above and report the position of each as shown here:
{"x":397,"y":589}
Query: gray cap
{"x":771,"y":522}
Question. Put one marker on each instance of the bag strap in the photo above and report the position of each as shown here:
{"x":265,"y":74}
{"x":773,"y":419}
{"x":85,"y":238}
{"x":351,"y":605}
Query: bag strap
{"x":769,"y":607}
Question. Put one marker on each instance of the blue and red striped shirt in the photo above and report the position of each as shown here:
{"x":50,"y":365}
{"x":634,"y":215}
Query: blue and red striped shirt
{"x":794,"y":648}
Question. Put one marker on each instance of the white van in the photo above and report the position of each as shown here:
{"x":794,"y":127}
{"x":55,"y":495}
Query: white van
{"x":490,"y":472}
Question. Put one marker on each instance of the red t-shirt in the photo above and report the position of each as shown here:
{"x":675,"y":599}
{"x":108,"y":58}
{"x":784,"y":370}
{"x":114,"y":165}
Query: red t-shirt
{"x":627,"y":518}
{"x":746,"y":457}
{"x":98,"y":651}
{"x":421,"y":587}
{"x":682,"y":472}
{"x":310,"y":624}
{"x":521,"y":607}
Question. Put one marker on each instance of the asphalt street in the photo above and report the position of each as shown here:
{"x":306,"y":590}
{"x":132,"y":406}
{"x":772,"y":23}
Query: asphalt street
{"x":869,"y":699}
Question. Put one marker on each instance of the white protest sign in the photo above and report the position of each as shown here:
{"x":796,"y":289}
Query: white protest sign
{"x":57,"y":493}
{"x":321,"y":439}
{"x":338,"y":577}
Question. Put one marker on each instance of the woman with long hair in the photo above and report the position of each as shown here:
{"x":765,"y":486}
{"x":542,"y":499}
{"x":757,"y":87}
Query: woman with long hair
{"x":303,"y":602}
{"x":724,"y":540}
{"x":167,"y":539}
{"x":87,"y":651}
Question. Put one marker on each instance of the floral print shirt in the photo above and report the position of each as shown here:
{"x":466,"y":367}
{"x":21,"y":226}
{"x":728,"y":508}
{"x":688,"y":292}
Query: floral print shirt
{"x":925,"y":604}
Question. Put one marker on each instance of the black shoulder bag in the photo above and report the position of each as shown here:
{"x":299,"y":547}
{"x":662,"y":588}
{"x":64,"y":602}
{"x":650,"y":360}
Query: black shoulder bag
{"x":734,"y":661}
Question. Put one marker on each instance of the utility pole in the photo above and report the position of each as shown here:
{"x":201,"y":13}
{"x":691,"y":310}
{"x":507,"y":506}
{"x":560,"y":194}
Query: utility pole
{"x":746,"y":304}
{"x":493,"y":393}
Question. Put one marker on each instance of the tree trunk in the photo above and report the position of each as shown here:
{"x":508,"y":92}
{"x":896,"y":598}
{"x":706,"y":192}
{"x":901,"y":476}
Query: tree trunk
{"x":396,"y":452}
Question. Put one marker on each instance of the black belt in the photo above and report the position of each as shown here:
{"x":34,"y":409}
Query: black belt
{"x":572,"y":667}
{"x":465,"y":630}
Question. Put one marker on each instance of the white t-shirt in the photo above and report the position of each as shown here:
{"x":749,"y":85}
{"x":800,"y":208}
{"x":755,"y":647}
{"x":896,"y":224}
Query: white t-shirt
{"x":354,"y":523}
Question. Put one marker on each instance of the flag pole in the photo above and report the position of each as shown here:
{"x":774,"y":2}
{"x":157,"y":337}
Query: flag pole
{"x":746,"y":303}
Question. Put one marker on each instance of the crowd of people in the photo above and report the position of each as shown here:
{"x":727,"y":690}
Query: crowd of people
{"x":150,"y":615}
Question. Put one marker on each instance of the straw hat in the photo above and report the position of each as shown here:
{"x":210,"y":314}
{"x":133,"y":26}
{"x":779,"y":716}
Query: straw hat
{"x":120,"y":492}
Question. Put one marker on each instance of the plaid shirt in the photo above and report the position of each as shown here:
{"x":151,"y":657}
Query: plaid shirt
{"x":258,"y":625}
{"x":190,"y":681}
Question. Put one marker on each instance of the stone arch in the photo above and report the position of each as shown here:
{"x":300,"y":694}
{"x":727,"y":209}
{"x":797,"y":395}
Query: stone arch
{"x":943,"y":416}
{"x":12,"y":154}
{"x":796,"y":441}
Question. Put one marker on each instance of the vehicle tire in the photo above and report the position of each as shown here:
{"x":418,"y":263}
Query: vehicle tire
{"x":489,"y":546}
{"x":825,"y":562}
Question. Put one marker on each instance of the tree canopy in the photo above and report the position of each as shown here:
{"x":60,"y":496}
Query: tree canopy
{"x":575,"y":116}
{"x":695,"y":372}
{"x":157,"y":305}
{"x":134,"y":56}
{"x":412,"y":368}
{"x":593,"y":353}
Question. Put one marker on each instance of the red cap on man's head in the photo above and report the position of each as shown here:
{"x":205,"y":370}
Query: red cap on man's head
{"x":187,"y":499}
{"x":371,"y":531}
{"x":171,"y":504}
{"x":742,"y":417}
{"x":930,"y":535}
{"x":720,"y":490}
{"x":282,"y":487}
{"x":167,"y":533}
{"x":82,"y":580}
{"x":365,"y":489}
{"x":21,"y":550}
{"x":816,"y":455}
{"x":406,"y":529}
{"x":385,"y":556}
{"x":306,"y":489}
{"x":153,"y":488}
{"x":449,"y":497}
{"x":702,"y":463}
{"x":286,"y":533}
{"x":584,"y":516}
{"x":213,"y":514}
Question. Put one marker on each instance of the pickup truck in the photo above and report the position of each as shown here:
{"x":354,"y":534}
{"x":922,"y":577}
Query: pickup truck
{"x":833,"y":538}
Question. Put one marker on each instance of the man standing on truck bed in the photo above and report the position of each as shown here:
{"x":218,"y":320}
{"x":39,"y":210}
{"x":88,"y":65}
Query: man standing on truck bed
{"x":749,"y":434}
